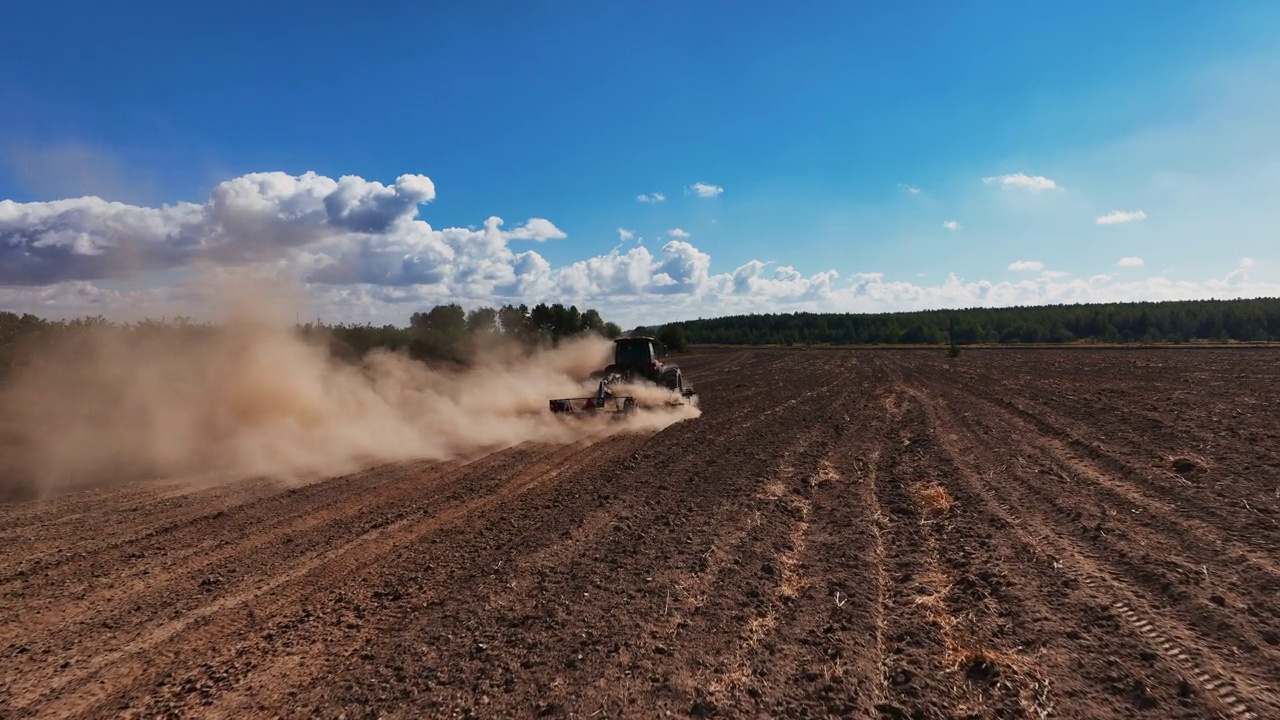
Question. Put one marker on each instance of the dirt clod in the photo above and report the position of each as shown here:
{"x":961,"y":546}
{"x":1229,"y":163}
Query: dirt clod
{"x":1187,"y":464}
{"x":702,"y":709}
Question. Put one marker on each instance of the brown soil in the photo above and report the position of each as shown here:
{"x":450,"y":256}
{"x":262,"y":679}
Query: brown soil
{"x":842,"y":533}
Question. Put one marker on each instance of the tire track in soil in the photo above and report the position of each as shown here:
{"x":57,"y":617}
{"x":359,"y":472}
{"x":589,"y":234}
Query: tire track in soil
{"x":1183,"y":398}
{"x":1176,"y":548}
{"x":733,"y":676}
{"x":160,"y":526}
{"x":1248,"y":536}
{"x":339,"y":565}
{"x":686,"y":523}
{"x":803,"y":653}
{"x":207,"y":554}
{"x":879,"y":603}
{"x":762,"y":537}
{"x":535,"y":582}
{"x":914,"y":645}
{"x":1202,"y":402}
{"x":113,"y":524}
{"x":623,"y":564}
{"x":946,"y":653}
{"x":1012,"y":579}
{"x":102,"y":502}
{"x":666,"y":518}
{"x":1182,"y":651}
{"x":170,"y":539}
{"x":1070,"y":437}
{"x":168,"y":596}
{"x":209,"y":624}
{"x":880,"y":525}
{"x":399,"y":593}
{"x":195,"y":546}
{"x":172,"y":521}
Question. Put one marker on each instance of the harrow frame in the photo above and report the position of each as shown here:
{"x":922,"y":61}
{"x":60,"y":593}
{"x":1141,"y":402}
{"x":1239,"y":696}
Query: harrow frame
{"x":619,"y":404}
{"x":604,"y":401}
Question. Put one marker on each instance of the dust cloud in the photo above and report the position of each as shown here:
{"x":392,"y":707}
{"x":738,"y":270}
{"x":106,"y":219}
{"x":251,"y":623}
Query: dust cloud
{"x":251,"y":397}
{"x":659,"y":406}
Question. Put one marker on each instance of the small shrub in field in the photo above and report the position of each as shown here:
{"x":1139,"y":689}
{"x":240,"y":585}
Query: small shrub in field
{"x":953,"y":350}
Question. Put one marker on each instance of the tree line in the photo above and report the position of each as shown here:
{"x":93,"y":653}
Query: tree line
{"x":1137,"y":322}
{"x":450,"y":333}
{"x":445,"y":333}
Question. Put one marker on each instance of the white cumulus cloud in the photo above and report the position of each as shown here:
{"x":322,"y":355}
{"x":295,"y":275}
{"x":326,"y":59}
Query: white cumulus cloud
{"x":1034,"y":183}
{"x":1026,"y":266}
{"x":1118,"y":216}
{"x":625,"y":235}
{"x":952,"y":225}
{"x":706,"y":190}
{"x":656,"y":197}
{"x":537,"y":229}
{"x":910,"y":189}
{"x":1131,"y":262}
{"x":364,"y":253}
{"x":252,"y":218}
{"x":637,"y":287}
{"x":335,"y":231}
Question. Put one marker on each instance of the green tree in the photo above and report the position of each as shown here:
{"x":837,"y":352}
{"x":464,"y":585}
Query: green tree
{"x":591,"y":321}
{"x":515,"y":321}
{"x":673,"y":338}
{"x":441,"y":318}
{"x":438,"y":334}
{"x":571,"y":322}
{"x":482,"y":320}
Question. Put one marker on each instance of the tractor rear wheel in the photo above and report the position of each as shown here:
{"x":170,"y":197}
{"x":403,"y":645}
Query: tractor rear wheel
{"x":672,"y":379}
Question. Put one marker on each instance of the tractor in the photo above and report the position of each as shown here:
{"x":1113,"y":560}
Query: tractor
{"x":635,"y":360}
{"x":643,"y":357}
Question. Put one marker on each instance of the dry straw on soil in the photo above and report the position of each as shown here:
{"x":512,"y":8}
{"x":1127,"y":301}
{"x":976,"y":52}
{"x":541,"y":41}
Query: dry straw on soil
{"x":980,"y":665}
{"x":933,"y":499}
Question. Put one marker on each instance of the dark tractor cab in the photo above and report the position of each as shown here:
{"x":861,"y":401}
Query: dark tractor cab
{"x":644,"y":357}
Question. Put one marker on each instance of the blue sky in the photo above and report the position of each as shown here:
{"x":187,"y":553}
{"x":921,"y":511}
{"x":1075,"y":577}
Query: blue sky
{"x":843,"y":137}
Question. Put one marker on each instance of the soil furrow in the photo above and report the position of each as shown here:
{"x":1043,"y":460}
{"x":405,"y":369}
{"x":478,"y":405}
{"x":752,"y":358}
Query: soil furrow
{"x":1155,"y":475}
{"x":1195,"y":539}
{"x":387,"y":598}
{"x":915,"y":647}
{"x":1170,"y":566}
{"x":212,"y":565}
{"x":226,"y":611}
{"x":1107,"y":587}
{"x":841,"y":533}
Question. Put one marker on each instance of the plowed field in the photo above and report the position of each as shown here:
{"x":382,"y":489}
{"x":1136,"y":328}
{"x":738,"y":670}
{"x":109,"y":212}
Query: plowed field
{"x":842,"y":533}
